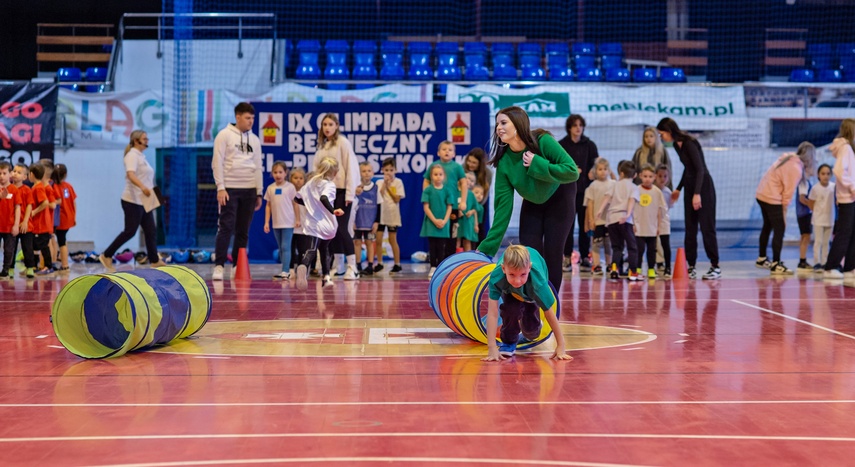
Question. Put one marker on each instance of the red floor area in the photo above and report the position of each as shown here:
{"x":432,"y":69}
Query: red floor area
{"x":740,"y":372}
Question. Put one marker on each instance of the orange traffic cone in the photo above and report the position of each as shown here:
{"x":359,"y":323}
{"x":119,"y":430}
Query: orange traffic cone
{"x":681,"y":267}
{"x":242,"y":271}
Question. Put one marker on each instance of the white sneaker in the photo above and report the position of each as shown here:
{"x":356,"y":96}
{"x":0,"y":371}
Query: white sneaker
{"x":713,"y":274}
{"x":350,"y":274}
{"x":217,"y":275}
{"x":849,"y":275}
{"x":282,"y":276}
{"x":430,"y":273}
{"x":302,"y":277}
{"x":328,"y":282}
{"x":832,"y":275}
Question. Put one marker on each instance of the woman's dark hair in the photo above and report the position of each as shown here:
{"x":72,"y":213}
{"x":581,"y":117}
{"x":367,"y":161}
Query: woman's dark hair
{"x":521,"y":123}
{"x":669,"y":125}
{"x":59,"y":173}
{"x":571,"y":120}
{"x":481,"y":173}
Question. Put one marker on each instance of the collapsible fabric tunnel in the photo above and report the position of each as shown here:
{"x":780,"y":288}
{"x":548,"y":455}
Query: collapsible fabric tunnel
{"x":108,"y":315}
{"x":455,"y":293}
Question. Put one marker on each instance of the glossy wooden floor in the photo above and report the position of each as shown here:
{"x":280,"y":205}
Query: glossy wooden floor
{"x":747,"y":370}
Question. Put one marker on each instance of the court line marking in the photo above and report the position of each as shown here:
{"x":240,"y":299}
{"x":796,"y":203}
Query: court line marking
{"x":791,"y":318}
{"x":456,"y":460}
{"x":488,"y":434}
{"x":428,"y":403}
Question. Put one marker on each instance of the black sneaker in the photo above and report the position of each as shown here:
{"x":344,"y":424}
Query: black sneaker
{"x":379,"y":267}
{"x":396,"y":268}
{"x":763,"y":263}
{"x":368,"y":271}
{"x":666,"y":273}
{"x":613,"y":274}
{"x":804,"y":266}
{"x":585,"y":265}
{"x":778,"y":269}
{"x":715,"y":273}
{"x":692,"y":273}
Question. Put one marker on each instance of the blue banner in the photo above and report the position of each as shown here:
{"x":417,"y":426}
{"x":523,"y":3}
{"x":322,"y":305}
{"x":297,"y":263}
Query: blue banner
{"x":409,"y":132}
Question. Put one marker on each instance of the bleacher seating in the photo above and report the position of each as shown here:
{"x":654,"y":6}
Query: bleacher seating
{"x":644,"y":75}
{"x":308,"y":66}
{"x":363,"y":62}
{"x":420,"y":69}
{"x":846,"y":58}
{"x":530,"y":61}
{"x":617,"y":75}
{"x":392,"y":56}
{"x":821,"y":56}
{"x":802,"y":75}
{"x":69,"y":75}
{"x":336,"y":68}
{"x":96,"y":74}
{"x":589,"y":74}
{"x":611,"y":55}
{"x":830,"y":76}
{"x":475,"y":55}
{"x":448,"y":66}
{"x":503,"y":62}
{"x":558,"y":61}
{"x":583,"y":55}
{"x":672,"y":75}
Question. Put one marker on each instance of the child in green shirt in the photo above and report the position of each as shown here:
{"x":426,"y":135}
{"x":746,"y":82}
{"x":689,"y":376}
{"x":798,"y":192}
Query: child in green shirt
{"x":437,"y":202}
{"x":520,"y":280}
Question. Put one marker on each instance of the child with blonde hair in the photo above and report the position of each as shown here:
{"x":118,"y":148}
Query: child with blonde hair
{"x":521,"y":281}
{"x":663,"y":181}
{"x":391,"y":189}
{"x":595,"y":195}
{"x":320,"y":224}
{"x":648,"y":216}
{"x":299,"y":241}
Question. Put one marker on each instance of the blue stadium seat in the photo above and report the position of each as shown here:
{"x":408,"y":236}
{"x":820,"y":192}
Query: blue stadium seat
{"x":830,"y":76}
{"x":307,"y":64}
{"x":66,"y":75}
{"x":475,"y":54}
{"x":530,"y":61}
{"x":337,"y":63}
{"x":589,"y":74}
{"x":392,"y":56}
{"x":363,"y":62}
{"x":611,"y":55}
{"x":644,"y":75}
{"x":448,"y":63}
{"x":503,"y":62}
{"x":802,"y":75}
{"x":96,"y":74}
{"x":583,"y":55}
{"x":420,"y":69}
{"x":617,"y":75}
{"x":846,"y":57}
{"x":821,"y":56}
{"x":672,"y":75}
{"x":558,"y":61}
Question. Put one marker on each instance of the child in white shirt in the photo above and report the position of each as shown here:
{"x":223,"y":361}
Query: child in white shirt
{"x":648,"y":215}
{"x":621,"y":202}
{"x":821,"y":202}
{"x":320,"y":224}
{"x":595,"y":194}
{"x":281,"y":210}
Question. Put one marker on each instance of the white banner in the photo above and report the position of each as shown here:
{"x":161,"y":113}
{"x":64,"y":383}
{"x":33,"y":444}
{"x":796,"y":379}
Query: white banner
{"x":106,"y":120}
{"x":693,"y":107}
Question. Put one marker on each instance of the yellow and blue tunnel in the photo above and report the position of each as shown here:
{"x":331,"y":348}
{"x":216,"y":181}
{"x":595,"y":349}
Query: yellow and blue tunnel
{"x":108,"y":315}
{"x":455,"y":295}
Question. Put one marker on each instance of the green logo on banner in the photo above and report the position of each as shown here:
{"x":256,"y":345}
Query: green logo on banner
{"x":542,"y":105}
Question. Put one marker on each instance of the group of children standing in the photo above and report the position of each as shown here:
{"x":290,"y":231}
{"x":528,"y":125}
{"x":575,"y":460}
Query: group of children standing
{"x":622,"y":215}
{"x":300,"y":212}
{"x":37,"y":208}
{"x":453,"y":205}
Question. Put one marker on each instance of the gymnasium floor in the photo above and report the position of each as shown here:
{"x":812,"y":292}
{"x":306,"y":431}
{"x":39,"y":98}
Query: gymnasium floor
{"x":748,"y":370}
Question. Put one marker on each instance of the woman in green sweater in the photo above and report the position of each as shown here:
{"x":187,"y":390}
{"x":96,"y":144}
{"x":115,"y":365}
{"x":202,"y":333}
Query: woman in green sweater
{"x":534,"y":165}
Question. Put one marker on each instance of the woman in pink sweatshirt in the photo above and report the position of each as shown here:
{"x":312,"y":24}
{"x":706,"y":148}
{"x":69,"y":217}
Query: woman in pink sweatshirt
{"x":843,"y":245}
{"x":773,"y":194}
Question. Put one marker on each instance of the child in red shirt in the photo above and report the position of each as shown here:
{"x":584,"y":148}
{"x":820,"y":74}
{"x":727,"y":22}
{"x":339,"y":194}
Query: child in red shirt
{"x":41,"y":220}
{"x":67,"y":209}
{"x":25,"y":201}
{"x":9,"y":213}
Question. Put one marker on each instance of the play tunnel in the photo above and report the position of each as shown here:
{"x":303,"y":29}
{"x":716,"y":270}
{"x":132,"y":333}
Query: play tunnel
{"x":108,"y":315}
{"x":455,"y":293}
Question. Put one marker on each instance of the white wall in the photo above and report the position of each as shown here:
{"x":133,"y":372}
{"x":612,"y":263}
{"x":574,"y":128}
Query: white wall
{"x":98,"y":177}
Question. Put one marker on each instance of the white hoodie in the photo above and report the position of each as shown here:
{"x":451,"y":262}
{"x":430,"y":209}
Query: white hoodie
{"x":237,"y":160}
{"x":844,"y":170}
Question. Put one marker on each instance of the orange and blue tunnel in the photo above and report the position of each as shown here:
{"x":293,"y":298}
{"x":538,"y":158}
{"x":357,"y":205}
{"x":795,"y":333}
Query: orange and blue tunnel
{"x":455,"y":294}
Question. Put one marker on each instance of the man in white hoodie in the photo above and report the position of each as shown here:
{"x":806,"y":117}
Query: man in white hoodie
{"x":238,"y":174}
